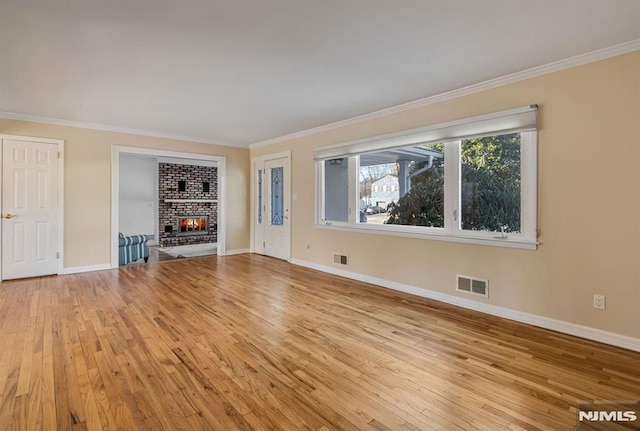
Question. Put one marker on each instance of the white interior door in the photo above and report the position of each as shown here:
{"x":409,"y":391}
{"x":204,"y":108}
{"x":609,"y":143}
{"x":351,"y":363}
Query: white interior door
{"x":276,"y":217}
{"x":29,"y":209}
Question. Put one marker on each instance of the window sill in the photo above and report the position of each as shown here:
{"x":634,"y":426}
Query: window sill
{"x":410,"y":232}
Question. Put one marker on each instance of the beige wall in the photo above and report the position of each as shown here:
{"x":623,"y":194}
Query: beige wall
{"x":87,"y":188}
{"x":589,"y":202}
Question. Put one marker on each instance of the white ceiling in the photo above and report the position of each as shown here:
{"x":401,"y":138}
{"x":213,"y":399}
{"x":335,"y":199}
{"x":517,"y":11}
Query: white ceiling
{"x":238,"y":72}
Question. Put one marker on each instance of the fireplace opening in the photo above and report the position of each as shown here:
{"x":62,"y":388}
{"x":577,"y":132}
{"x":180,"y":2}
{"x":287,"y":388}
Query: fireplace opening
{"x":193,"y":225}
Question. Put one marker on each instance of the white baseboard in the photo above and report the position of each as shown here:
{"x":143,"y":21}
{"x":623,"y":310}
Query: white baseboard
{"x":507,"y":313}
{"x":238,"y":251}
{"x":79,"y":269}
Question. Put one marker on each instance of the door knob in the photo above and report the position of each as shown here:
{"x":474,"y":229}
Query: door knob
{"x":8,"y":216}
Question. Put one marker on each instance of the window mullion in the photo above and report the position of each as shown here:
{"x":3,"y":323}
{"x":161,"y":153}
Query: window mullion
{"x":353,"y":188}
{"x":319,"y":213}
{"x":452,"y":187}
{"x":355,"y":199}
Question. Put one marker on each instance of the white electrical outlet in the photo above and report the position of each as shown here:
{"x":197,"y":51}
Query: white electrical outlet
{"x":598,"y":302}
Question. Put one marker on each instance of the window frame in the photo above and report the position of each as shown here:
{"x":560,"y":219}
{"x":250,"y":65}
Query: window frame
{"x":452,"y":231}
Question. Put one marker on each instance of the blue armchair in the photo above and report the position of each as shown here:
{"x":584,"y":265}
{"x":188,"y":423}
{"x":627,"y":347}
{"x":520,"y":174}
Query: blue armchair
{"x":132,"y":248}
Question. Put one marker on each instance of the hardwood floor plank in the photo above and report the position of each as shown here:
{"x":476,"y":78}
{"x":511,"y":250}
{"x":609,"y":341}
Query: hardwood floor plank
{"x":49,"y":414}
{"x":252,"y":343}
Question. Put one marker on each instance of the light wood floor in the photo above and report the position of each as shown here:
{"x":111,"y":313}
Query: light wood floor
{"x":248,"y":342}
{"x":155,"y":255}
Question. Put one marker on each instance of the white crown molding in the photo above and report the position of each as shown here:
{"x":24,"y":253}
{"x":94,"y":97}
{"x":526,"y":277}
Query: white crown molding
{"x":556,"y":66}
{"x":507,"y":313}
{"x":94,"y":126}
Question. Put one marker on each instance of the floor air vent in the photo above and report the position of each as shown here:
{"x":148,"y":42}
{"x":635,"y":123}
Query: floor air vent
{"x":472,"y":285}
{"x":340,"y":259}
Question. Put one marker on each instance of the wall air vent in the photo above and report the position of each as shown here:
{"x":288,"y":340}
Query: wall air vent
{"x":474,"y":286}
{"x":340,"y":259}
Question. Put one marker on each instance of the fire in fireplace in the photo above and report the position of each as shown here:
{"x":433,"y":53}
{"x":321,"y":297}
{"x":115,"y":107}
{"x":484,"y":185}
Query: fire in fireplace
{"x":193,"y":225}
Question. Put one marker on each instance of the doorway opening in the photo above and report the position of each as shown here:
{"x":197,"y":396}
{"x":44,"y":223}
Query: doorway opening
{"x":184,"y":202}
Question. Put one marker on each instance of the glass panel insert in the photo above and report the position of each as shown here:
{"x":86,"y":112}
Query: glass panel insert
{"x":260,"y":196}
{"x":404,"y":186}
{"x":277,"y":195}
{"x":490,"y":184}
{"x":336,"y":189}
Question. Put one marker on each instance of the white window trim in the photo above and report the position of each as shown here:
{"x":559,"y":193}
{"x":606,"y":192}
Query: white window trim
{"x":497,"y":123}
{"x":452,"y":232}
{"x":407,"y":232}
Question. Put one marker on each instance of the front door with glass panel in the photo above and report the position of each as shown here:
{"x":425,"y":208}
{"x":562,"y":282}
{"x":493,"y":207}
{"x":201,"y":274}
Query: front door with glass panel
{"x":273,"y":215}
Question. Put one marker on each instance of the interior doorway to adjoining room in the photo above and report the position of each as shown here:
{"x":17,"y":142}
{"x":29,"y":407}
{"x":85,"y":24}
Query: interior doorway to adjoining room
{"x":147,"y":200}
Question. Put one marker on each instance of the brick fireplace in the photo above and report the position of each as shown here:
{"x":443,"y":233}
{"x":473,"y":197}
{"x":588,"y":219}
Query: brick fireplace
{"x":188,"y":204}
